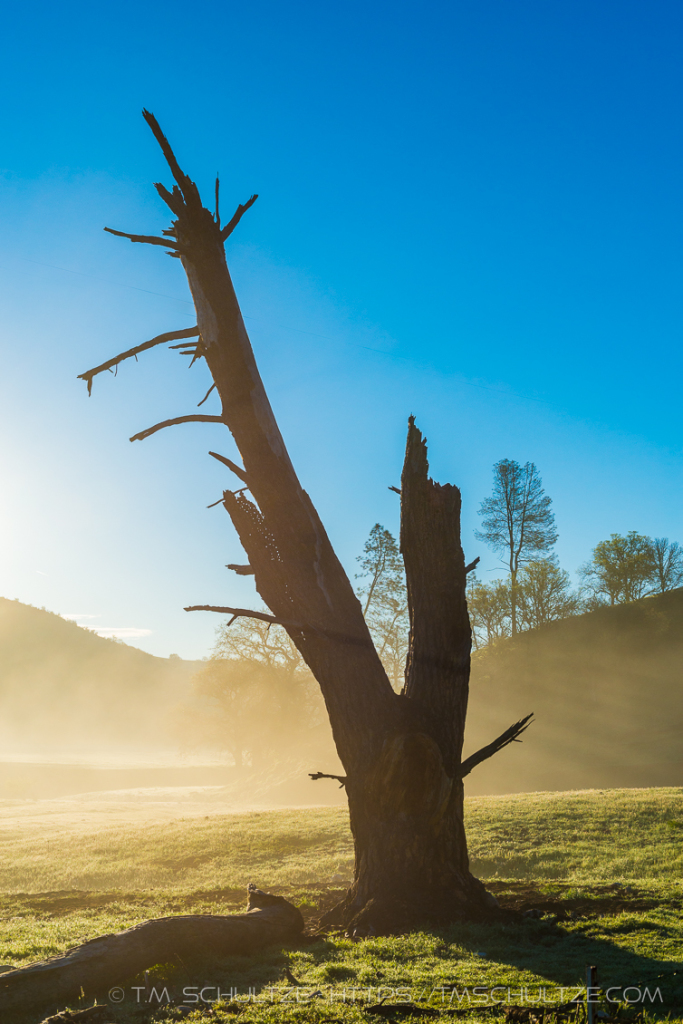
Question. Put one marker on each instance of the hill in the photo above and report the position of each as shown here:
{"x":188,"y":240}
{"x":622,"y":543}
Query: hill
{"x":605,"y":688}
{"x":65,"y":688}
{"x":607,"y":691}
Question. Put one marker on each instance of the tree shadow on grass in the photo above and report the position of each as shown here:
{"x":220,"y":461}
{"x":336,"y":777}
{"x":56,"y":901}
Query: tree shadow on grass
{"x":560,"y":953}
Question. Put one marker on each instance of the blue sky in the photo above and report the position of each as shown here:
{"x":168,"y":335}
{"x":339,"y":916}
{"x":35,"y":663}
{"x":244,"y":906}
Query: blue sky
{"x":470,"y":212}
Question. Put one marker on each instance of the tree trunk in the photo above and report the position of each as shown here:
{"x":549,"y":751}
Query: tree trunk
{"x":411,"y":864}
{"x":96,"y":966}
{"x":513,"y":601}
{"x":407,"y":811}
{"x":401,"y":753}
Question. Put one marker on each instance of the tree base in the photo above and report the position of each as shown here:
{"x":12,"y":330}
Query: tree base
{"x":394,"y":913}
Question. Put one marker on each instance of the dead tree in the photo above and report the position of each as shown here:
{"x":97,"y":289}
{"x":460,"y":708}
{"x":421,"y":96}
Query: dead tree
{"x":402,"y":753}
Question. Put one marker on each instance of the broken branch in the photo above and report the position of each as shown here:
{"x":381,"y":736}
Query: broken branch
{"x":509,"y":736}
{"x":472,"y":565}
{"x":237,"y":217}
{"x":189,"y":190}
{"x":341,"y":779}
{"x":241,"y":570}
{"x":195,"y":418}
{"x":188,"y":332}
{"x":231,"y":466}
{"x":149,"y":239}
{"x":94,"y":966}
{"x":174,"y":199}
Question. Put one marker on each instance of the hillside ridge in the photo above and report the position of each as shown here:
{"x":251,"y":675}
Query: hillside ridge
{"x":62,"y":685}
{"x":606,"y":689}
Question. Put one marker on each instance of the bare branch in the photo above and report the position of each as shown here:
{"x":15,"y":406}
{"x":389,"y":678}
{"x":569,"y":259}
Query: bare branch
{"x":396,"y":490}
{"x":197,"y":351}
{"x":207,"y":395}
{"x":188,"y":332}
{"x":149,"y":239}
{"x":172,"y":423}
{"x":341,"y":779}
{"x":237,"y":217}
{"x":510,"y":735}
{"x":241,"y":570}
{"x":472,"y":565}
{"x":232,"y":466}
{"x":246,"y":613}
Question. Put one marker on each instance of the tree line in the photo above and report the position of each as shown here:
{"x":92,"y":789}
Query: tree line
{"x":518,"y":523}
{"x":255,"y":698}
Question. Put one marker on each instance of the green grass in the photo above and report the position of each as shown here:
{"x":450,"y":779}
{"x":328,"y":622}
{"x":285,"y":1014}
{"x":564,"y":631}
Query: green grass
{"x":197,"y":851}
{"x":590,"y":836}
{"x":604,"y":868}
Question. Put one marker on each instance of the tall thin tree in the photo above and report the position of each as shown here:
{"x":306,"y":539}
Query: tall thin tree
{"x":517,"y":520}
{"x":385,"y":600}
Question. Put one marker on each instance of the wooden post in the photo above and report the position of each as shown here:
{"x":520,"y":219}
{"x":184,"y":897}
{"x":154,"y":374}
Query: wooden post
{"x":591,"y":993}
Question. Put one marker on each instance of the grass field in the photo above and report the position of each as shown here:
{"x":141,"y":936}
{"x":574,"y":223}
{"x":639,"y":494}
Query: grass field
{"x":601,"y":868}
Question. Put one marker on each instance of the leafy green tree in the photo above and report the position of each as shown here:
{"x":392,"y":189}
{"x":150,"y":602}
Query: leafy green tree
{"x":619,"y":570}
{"x":489,"y":608}
{"x":517,"y":520}
{"x":545,"y":593}
{"x":666,"y":571}
{"x":385,"y":601}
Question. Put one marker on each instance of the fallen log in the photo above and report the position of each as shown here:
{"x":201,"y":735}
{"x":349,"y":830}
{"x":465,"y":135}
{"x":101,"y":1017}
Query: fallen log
{"x":95,"y":966}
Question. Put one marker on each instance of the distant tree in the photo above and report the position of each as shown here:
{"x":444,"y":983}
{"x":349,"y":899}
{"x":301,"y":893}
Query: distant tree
{"x":385,"y":600}
{"x":489,"y":608}
{"x":666,"y":565}
{"x":381,"y":568}
{"x":261,"y":643}
{"x":545,"y":593}
{"x":253,"y":698}
{"x":517,"y":520}
{"x":619,"y":570}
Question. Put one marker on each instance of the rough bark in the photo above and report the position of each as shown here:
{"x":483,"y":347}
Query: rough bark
{"x":407,"y":813}
{"x":401,"y":753}
{"x":94,"y":967}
